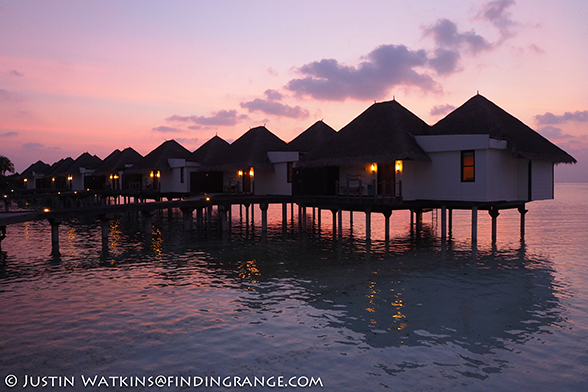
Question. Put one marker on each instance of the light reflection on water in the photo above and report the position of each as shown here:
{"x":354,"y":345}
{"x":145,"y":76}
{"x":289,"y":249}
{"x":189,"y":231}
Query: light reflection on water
{"x":408,"y":315}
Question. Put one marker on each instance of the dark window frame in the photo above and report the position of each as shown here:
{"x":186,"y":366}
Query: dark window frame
{"x":465,"y":177}
{"x":289,"y":171}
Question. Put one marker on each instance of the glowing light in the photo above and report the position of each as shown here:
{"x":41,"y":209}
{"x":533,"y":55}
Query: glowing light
{"x":116,"y":177}
{"x":26,"y":180}
{"x":151,"y":174}
{"x":46,"y":210}
{"x":251,"y":172}
{"x":374,"y":167}
{"x":240,"y":173}
{"x":208,"y":199}
{"x":158,"y":175}
{"x":111,"y":176}
{"x":399,"y":166}
{"x":53,"y":179}
{"x":70,"y":177}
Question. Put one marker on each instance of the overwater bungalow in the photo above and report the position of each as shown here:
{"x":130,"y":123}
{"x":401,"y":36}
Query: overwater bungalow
{"x":257,"y":163}
{"x":481,"y":153}
{"x":204,"y":180}
{"x":80,"y":175}
{"x":58,"y":175}
{"x":366,"y":156}
{"x":166,"y":169}
{"x":33,"y":177}
{"x":478,"y":153}
{"x":114,"y":170}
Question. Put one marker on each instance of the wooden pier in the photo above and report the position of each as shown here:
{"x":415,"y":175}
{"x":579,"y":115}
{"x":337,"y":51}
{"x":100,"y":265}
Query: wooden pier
{"x":104,"y":207}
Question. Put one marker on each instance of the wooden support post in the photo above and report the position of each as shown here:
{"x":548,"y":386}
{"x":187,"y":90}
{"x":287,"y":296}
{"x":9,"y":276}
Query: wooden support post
{"x":105,"y":226}
{"x":303,"y":207}
{"x":292,"y":214}
{"x":443,"y":223}
{"x":2,"y":235}
{"x":252,"y":215}
{"x":350,"y":218}
{"x":55,"y":222}
{"x":208,"y":217}
{"x":474,"y":224}
{"x":340,"y":232}
{"x":187,"y":218}
{"x":246,"y":215}
{"x":419,"y":220}
{"x":222,"y":218}
{"x":334,"y":212}
{"x":284,"y":216}
{"x":450,"y":222}
{"x":318,"y":221}
{"x":523,"y":212}
{"x":387,"y":215}
{"x":493,"y":211}
{"x":368,"y":223}
{"x":229,"y":216}
{"x":199,"y":218}
{"x":263,"y":207}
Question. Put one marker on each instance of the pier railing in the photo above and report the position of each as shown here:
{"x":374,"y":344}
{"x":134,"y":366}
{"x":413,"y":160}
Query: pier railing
{"x":354,"y":189}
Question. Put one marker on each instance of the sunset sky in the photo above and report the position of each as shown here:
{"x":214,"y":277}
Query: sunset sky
{"x":94,"y":76}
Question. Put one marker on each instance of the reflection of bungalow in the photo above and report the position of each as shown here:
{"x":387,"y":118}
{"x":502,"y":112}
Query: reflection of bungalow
{"x":80,"y":175}
{"x":58,"y":175}
{"x":113,"y":167}
{"x":166,"y":169}
{"x":34,"y":176}
{"x":365,"y":152}
{"x":478,"y":153}
{"x":257,"y":163}
{"x":208,"y":181}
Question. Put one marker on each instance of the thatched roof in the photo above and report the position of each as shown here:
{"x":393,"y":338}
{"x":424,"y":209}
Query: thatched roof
{"x":480,"y":116}
{"x":383,"y":133}
{"x":209,"y":152}
{"x":38,"y":167}
{"x":250,"y":150}
{"x":84,"y":161}
{"x":61,"y":167}
{"x":118,"y":160}
{"x":158,"y":158}
{"x":314,"y":136}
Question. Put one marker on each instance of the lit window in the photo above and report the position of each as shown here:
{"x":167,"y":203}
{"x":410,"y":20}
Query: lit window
{"x":468,"y":172}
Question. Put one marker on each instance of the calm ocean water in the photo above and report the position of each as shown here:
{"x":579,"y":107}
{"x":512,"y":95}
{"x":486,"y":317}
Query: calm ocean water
{"x":404,"y":316}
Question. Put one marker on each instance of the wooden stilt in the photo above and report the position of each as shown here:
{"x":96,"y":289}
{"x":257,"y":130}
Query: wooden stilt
{"x":443,"y":223}
{"x":263,"y":207}
{"x":187,"y":218}
{"x":493,"y":211}
{"x":334,"y":212}
{"x":474,"y":224}
{"x":340,"y":213}
{"x":284,"y":216}
{"x":523,"y":212}
{"x":55,"y":236}
{"x":368,"y":223}
{"x":387,"y":215}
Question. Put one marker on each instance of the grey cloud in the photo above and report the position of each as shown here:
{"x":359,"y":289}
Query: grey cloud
{"x":445,"y":61}
{"x":165,"y":129}
{"x":441,"y":109}
{"x":9,"y":96}
{"x":496,"y":13}
{"x":550,"y":118}
{"x":9,"y":134}
{"x":220,"y":118}
{"x":184,"y":140}
{"x":32,"y":145}
{"x":14,"y":72}
{"x":446,"y":35}
{"x":385,"y":67}
{"x":275,"y":108}
{"x":273,"y":95}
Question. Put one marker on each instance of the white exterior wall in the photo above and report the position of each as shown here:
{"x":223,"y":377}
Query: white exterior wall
{"x":273,"y":182}
{"x":542,"y":180}
{"x":498,"y":175}
{"x":171,"y":180}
